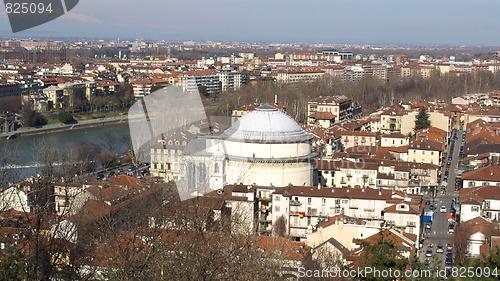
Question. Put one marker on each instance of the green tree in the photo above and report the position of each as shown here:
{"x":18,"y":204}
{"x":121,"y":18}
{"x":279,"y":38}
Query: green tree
{"x":203,"y":90}
{"x":12,"y":264}
{"x":36,"y":119}
{"x":422,"y":120}
{"x":382,"y":255}
{"x":65,"y":117}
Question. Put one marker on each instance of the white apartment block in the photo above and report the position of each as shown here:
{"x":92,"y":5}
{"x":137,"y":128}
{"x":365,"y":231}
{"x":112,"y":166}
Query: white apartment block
{"x":303,"y":207}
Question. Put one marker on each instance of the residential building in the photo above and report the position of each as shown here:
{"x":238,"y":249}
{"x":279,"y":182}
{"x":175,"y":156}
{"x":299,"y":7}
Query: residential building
{"x":304,"y":206}
{"x":394,"y":140}
{"x":200,"y":80}
{"x":488,"y":175}
{"x":341,"y":107}
{"x":230,"y":80}
{"x":480,"y":201}
{"x":299,"y":75}
{"x":391,"y":119}
{"x":55,"y":97}
{"x":425,"y":151}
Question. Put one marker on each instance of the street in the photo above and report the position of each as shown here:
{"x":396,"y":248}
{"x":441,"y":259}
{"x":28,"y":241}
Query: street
{"x":438,"y":233}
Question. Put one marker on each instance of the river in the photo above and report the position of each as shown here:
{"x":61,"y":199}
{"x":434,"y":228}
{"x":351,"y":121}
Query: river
{"x":26,"y":145}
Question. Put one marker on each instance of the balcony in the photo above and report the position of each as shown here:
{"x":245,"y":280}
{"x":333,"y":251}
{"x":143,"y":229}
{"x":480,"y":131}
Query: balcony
{"x":294,"y":203}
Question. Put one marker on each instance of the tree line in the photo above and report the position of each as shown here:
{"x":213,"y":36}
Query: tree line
{"x":371,"y":93}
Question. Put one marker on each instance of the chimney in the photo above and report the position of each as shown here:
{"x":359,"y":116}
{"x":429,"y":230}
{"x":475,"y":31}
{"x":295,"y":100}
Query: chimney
{"x":275,"y":99}
{"x":348,"y":188}
{"x":380,"y":191}
{"x":319,"y":185}
{"x":333,"y":189}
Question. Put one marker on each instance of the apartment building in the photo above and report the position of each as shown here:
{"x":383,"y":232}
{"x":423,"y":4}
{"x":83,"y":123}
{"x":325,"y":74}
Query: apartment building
{"x":391,"y":120}
{"x":194,"y":80}
{"x":341,"y":107}
{"x":230,"y":79}
{"x":425,"y":151}
{"x":304,"y":206}
{"x":299,"y":75}
{"x":487,"y":175}
{"x":166,"y":156}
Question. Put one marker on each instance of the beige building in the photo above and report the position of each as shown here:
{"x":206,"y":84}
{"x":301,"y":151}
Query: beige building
{"x":391,"y":120}
{"x":394,"y":140}
{"x":55,"y":97}
{"x":438,"y":119}
{"x":356,"y":138}
{"x":299,"y":75}
{"x":425,"y":151}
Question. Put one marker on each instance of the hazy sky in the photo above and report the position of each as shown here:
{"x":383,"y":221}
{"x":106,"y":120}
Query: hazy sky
{"x":422,"y":22}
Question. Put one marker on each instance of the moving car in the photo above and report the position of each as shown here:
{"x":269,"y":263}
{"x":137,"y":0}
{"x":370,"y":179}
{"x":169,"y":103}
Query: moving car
{"x":443,"y":209}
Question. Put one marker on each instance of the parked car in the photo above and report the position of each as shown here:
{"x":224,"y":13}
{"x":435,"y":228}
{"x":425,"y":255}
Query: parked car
{"x":131,"y":168}
{"x":428,"y":253}
{"x":99,"y":176}
{"x":449,"y":247}
{"x":440,"y":248}
{"x":112,"y":173}
{"x":451,"y":228}
{"x":119,"y":170}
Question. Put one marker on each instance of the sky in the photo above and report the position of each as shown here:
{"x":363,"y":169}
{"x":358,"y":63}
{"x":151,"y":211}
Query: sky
{"x":398,"y":22}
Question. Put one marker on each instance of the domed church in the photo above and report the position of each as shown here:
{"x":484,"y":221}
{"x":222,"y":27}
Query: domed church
{"x":266,"y":147}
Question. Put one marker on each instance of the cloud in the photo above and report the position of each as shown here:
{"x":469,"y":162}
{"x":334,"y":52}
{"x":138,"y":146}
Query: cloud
{"x":81,"y":18}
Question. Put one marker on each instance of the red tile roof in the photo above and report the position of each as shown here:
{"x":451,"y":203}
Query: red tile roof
{"x":487,"y":173}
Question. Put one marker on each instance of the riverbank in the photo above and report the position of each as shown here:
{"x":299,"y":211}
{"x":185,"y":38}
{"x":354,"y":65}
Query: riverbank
{"x":54,"y":128}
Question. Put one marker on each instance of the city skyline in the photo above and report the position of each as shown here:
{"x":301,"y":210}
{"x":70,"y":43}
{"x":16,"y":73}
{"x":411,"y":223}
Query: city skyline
{"x":442,"y":23}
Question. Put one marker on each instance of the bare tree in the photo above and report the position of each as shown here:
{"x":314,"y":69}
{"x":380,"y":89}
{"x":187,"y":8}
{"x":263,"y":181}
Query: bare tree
{"x":461,"y":243}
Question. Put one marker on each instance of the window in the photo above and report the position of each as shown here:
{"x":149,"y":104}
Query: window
{"x":277,"y":198}
{"x":474,"y":208}
{"x":309,"y":201}
{"x":216,"y":168}
{"x":277,"y":208}
{"x":323,"y":200}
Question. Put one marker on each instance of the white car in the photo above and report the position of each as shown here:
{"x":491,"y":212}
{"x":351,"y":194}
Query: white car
{"x":443,"y":209}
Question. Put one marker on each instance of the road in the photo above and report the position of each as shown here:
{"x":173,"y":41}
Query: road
{"x":60,"y":126}
{"x":438,"y":233}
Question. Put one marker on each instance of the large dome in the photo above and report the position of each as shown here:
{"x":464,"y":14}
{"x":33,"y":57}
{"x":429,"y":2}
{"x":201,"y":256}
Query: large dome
{"x":268,"y":125}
